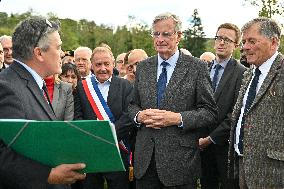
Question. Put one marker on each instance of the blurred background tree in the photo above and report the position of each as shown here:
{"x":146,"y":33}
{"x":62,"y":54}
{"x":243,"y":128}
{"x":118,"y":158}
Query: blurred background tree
{"x":194,"y":37}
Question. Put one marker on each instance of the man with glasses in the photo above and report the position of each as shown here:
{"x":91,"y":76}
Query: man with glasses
{"x":82,"y":57}
{"x":36,"y":51}
{"x":226,"y":75}
{"x":256,"y":139}
{"x":119,"y":64}
{"x":172,"y":98}
{"x":6,"y":42}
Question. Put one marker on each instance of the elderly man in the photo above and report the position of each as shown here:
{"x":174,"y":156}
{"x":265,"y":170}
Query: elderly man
{"x":37,"y":50}
{"x":119,"y":64}
{"x":6,"y":42}
{"x":114,"y":94}
{"x":82,"y":57}
{"x":256,"y":140}
{"x":172,"y":98}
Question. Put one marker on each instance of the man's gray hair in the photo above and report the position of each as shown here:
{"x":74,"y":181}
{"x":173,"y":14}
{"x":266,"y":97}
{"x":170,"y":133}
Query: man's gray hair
{"x":4,"y":38}
{"x":87,"y":49}
{"x":30,"y":33}
{"x":168,"y":15}
{"x":267,"y":27}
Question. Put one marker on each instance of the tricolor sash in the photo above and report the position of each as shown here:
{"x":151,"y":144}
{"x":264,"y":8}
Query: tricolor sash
{"x":99,"y":104}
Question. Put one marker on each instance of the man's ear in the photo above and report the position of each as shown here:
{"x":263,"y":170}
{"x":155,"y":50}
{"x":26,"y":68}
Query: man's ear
{"x":38,"y":53}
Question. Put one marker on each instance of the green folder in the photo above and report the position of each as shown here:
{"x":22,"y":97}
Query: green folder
{"x":59,"y":142}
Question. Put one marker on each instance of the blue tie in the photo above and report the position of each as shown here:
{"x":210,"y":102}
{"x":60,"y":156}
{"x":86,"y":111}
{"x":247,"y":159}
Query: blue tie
{"x":162,"y":83}
{"x":250,"y":98}
{"x":215,"y":77}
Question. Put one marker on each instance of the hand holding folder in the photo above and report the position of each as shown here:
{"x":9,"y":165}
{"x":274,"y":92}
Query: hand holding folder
{"x":65,"y":142}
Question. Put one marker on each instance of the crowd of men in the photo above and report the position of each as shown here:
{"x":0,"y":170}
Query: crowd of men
{"x":178,"y":118}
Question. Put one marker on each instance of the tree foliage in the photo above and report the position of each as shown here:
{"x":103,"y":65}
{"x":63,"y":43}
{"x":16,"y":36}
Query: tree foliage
{"x":88,"y":33}
{"x":268,"y":8}
{"x":194,"y":36}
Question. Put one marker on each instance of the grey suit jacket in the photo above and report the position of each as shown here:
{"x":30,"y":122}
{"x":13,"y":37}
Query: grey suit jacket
{"x":63,"y":101}
{"x":188,"y":92}
{"x":263,"y":131}
{"x":21,"y":98}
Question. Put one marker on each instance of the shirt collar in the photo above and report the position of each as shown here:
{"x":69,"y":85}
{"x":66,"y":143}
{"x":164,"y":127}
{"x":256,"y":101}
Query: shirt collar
{"x":265,"y":67}
{"x":107,"y":81}
{"x":172,"y":60}
{"x":223,"y":63}
{"x":35,"y":75}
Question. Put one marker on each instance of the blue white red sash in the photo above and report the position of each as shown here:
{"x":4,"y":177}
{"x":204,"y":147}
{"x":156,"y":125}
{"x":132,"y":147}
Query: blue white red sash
{"x":99,"y":104}
{"x":96,"y":99}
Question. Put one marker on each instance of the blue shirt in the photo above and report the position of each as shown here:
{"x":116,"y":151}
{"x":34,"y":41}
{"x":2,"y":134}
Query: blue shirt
{"x":170,"y":68}
{"x":221,"y":71}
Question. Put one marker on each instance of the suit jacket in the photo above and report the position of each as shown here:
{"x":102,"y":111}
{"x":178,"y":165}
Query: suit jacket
{"x":118,"y":100}
{"x":176,"y":149}
{"x":225,"y":96}
{"x":263,"y":131}
{"x":63,"y":101}
{"x":21,"y":98}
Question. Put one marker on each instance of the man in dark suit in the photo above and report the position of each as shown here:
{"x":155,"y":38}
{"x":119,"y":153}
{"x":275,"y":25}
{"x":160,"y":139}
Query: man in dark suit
{"x":166,"y":150}
{"x":37,"y":49}
{"x":115,"y":92}
{"x":256,"y":140}
{"x":226,"y":81}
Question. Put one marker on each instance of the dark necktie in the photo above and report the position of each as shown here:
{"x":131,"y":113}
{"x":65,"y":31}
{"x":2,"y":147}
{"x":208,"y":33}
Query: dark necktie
{"x":46,"y":96}
{"x":162,"y":83}
{"x":215,"y":77}
{"x":249,"y":100}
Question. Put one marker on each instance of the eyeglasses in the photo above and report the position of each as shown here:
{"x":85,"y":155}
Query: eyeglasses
{"x":48,"y":24}
{"x":7,"y":49}
{"x":225,"y":39}
{"x":164,"y":34}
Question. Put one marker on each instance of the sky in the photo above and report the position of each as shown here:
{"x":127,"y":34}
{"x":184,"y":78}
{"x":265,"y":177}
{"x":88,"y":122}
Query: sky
{"x":116,"y":12}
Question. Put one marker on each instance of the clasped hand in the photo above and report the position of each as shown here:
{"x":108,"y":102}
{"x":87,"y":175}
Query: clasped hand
{"x":157,"y":119}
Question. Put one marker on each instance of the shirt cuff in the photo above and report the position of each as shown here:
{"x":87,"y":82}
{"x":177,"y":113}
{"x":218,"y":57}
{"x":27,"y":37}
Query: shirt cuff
{"x":212,"y":140}
{"x":135,"y":120}
{"x":181,"y":122}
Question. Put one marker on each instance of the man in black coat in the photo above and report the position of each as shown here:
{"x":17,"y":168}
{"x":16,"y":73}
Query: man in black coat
{"x":226,"y":76}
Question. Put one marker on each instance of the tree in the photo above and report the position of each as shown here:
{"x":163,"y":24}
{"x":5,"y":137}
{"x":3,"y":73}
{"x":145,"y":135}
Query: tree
{"x":194,"y":37}
{"x":269,"y":8}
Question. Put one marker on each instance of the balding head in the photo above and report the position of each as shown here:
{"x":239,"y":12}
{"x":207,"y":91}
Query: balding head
{"x":207,"y":56}
{"x":136,"y":55}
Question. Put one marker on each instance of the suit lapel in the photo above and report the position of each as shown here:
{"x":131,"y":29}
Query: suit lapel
{"x":113,"y":88}
{"x":151,"y":85}
{"x":34,"y":88}
{"x":178,"y":74}
{"x":55,"y":96}
{"x":229,"y":70}
{"x":268,"y":80}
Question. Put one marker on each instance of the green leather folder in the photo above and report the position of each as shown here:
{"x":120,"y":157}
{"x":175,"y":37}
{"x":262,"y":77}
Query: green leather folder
{"x":59,"y":142}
